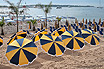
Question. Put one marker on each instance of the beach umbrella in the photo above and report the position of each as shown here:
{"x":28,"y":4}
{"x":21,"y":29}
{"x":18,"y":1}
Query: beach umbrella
{"x":52,"y":45}
{"x":38,"y":35}
{"x":90,"y":37}
{"x":73,"y":40}
{"x":58,"y":31}
{"x":1,"y":41}
{"x":21,"y":52}
{"x":22,"y":33}
{"x":17,"y":36}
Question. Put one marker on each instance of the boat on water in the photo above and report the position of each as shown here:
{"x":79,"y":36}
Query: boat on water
{"x":58,"y":7}
{"x":100,"y":5}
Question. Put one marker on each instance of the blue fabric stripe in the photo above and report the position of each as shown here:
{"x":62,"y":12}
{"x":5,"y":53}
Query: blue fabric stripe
{"x":58,"y":39}
{"x":93,"y":41}
{"x":70,"y":44}
{"x":61,"y":47}
{"x":31,"y":44}
{"x":29,"y":55}
{"x":43,"y":41}
{"x":52,"y":50}
{"x":1,"y":43}
{"x":65,"y":37}
{"x":15,"y":58}
{"x":20,"y":41}
{"x":85,"y":35}
{"x":97,"y":38}
{"x":10,"y":48}
{"x":79,"y":43}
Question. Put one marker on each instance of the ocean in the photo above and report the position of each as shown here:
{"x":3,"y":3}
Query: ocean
{"x":78,"y":12}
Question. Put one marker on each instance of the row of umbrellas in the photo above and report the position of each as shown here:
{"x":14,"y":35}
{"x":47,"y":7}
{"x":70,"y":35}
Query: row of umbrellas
{"x":22,"y":51}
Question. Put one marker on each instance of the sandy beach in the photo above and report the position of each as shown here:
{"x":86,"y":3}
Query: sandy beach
{"x":90,"y":57}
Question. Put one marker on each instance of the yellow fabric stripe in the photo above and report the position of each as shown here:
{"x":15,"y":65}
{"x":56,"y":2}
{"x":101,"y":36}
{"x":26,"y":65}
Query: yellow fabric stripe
{"x":46,"y":38}
{"x":33,"y":50}
{"x":19,"y":37}
{"x":36,"y":38}
{"x":76,"y":45}
{"x":56,"y":34}
{"x":14,"y":43}
{"x":66,"y":33}
{"x":96,"y":41}
{"x":58,"y":51}
{"x":54,"y":37}
{"x":80,"y":39}
{"x":26,"y":41}
{"x":75,"y":33}
{"x":22,"y":58}
{"x":66,"y":41}
{"x":1,"y":40}
{"x":47,"y":46}
{"x":85,"y":32}
{"x":61,"y":43}
{"x":11,"y":41}
{"x":88,"y":39}
{"x":10,"y":54}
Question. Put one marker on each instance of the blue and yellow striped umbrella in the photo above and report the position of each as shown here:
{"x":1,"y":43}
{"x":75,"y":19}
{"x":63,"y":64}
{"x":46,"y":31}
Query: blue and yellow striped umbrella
{"x":14,"y":38}
{"x":21,"y":52}
{"x":52,"y":45}
{"x":38,"y":35}
{"x":90,"y":37}
{"x":58,"y":31}
{"x":20,"y":33}
{"x":73,"y":40}
{"x":1,"y":41}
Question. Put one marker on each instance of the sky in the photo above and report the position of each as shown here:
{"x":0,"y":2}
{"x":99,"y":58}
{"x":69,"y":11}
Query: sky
{"x":70,"y":2}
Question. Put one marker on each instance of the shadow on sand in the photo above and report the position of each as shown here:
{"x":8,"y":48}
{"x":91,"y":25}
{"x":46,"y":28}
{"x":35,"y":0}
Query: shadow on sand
{"x":49,"y":57}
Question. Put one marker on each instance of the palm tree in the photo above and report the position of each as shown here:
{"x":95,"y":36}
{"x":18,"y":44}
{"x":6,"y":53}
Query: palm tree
{"x":34,"y":22}
{"x":59,"y":19}
{"x":15,"y":9}
{"x":46,"y":9}
{"x":1,"y":25}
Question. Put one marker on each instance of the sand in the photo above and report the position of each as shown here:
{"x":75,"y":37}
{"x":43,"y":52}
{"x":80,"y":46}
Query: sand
{"x":90,"y":57}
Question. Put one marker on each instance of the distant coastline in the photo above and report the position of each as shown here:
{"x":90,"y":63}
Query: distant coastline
{"x":32,"y":6}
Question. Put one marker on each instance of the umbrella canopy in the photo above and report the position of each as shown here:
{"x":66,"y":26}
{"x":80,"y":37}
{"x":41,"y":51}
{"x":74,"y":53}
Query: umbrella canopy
{"x":39,"y":34}
{"x":52,"y":45}
{"x":21,"y":52}
{"x":58,"y":31}
{"x":90,"y":37}
{"x":17,"y":36}
{"x":73,"y":40}
{"x":21,"y":33}
{"x":1,"y":41}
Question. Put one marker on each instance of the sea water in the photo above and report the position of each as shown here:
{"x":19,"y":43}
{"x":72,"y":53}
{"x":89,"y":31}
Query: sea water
{"x":78,"y":12}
